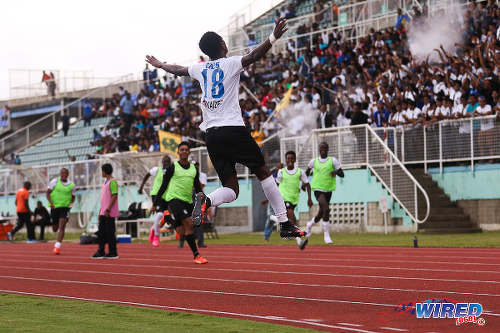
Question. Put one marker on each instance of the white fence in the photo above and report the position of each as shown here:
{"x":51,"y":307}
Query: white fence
{"x":363,"y":146}
{"x":468,"y":140}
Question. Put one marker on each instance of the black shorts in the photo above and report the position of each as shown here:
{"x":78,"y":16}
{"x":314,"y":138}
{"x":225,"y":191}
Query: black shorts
{"x":229,"y":145}
{"x":328,"y":195}
{"x":290,"y":205}
{"x":179,"y":210}
{"x":59,"y":213}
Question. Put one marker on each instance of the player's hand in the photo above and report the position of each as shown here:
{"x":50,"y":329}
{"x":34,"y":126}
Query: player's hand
{"x":264,"y":202}
{"x":309,"y":203}
{"x":139,"y":191}
{"x":52,"y":206}
{"x":333,"y":173}
{"x":153,"y":61}
{"x":280,"y":28}
{"x":279,"y":166}
{"x":106,"y":213}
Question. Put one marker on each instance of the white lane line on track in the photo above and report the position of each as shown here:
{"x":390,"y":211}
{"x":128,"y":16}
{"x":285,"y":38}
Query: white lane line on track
{"x":253,"y":281}
{"x":349,"y":324}
{"x":102,"y":263}
{"x":182,"y":258}
{"x":300,"y":265}
{"x":394,"y":329}
{"x":213,"y":312}
{"x":197,"y":291}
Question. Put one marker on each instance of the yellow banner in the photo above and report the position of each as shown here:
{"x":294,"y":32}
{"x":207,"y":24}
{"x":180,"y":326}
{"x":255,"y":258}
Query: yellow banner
{"x":169,"y":142}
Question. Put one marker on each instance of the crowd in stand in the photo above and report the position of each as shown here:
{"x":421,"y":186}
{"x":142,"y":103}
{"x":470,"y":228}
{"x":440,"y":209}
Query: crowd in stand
{"x":339,"y":82}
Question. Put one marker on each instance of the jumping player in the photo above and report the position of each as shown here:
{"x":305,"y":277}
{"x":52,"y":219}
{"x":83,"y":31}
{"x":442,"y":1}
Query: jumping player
{"x":325,"y":170}
{"x":228,"y":140}
{"x":179,"y":179}
{"x":157,"y":173}
{"x":61,"y":195}
{"x":289,"y":180}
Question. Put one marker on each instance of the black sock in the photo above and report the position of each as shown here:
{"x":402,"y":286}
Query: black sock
{"x":191,"y":240}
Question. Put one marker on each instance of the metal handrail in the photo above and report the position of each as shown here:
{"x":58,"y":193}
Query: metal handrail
{"x":396,"y":161}
{"x":415,"y":182}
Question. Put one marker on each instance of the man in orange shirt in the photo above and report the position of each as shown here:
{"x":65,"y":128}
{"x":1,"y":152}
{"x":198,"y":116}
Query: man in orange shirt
{"x":23,"y":213}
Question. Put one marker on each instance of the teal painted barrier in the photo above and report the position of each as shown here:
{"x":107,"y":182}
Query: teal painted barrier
{"x":461,"y":183}
{"x":357,"y":186}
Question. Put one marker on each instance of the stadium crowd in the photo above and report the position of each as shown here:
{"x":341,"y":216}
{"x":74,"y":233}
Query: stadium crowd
{"x":374,"y":80}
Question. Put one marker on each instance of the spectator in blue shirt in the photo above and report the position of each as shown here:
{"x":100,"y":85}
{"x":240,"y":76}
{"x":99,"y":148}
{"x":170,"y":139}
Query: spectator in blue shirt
{"x":127,"y":107}
{"x":87,"y":113}
{"x":381,"y":116}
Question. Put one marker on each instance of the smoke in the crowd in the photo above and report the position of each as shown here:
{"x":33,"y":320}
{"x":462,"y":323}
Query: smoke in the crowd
{"x":427,"y":34}
{"x":297,"y":121}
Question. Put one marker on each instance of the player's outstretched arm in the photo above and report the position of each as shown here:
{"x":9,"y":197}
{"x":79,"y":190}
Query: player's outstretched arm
{"x":259,"y":52}
{"x":174,"y":69}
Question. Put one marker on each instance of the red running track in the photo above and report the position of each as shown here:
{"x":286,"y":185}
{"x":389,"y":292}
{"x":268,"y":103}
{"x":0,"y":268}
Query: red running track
{"x":337,"y":289}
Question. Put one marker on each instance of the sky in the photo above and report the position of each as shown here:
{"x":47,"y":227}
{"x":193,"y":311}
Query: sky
{"x":108,"y":37}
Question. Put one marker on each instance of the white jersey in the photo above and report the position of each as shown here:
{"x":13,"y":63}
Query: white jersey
{"x":220,"y":82}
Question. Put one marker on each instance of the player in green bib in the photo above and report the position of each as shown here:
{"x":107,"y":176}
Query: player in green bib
{"x":325,"y":170}
{"x":179,"y":180}
{"x":157,"y":173}
{"x":289,"y":180}
{"x":60,"y":195}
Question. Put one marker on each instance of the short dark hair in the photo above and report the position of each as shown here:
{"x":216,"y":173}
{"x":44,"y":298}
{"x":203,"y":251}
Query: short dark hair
{"x":291,"y":152}
{"x":27,"y":185}
{"x":210,"y":44}
{"x":107,"y":169}
{"x":183,"y":143}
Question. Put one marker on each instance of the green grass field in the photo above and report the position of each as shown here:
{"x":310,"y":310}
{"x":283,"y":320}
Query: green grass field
{"x":38,"y":314}
{"x":484,"y":239}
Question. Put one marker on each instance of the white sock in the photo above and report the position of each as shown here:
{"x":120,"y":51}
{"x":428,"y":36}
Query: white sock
{"x":326,"y":226}
{"x":221,"y":195}
{"x":309,"y":228}
{"x":58,"y":245}
{"x":326,"y":231}
{"x":275,"y":198}
{"x":298,"y":240}
{"x":156,"y":225}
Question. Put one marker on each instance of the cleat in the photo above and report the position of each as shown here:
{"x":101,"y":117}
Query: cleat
{"x":303,"y":243}
{"x":111,"y":256}
{"x":56,"y":250}
{"x":200,"y":260}
{"x":156,"y":241}
{"x":328,"y":240}
{"x":200,"y":209}
{"x":9,"y":236}
{"x":289,"y":231}
{"x":97,"y":255}
{"x":151,"y":234}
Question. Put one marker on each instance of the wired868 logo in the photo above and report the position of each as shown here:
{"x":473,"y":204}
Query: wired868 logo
{"x":437,"y":308}
{"x":461,"y":312}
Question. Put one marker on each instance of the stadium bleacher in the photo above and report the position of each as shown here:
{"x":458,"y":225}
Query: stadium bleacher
{"x":56,"y":148}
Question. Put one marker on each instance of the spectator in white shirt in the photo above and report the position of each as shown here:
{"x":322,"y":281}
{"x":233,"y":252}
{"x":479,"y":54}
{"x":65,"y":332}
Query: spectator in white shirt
{"x":486,"y":135}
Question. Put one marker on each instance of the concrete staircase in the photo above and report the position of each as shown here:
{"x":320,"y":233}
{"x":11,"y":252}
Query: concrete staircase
{"x":445,"y":216}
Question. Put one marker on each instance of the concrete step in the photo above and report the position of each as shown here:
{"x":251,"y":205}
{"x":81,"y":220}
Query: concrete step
{"x":437,"y":210}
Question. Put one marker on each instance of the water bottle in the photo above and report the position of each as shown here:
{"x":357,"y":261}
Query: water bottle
{"x":415,"y":241}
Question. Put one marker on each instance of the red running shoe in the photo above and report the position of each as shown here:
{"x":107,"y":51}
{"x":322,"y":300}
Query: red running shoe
{"x":200,"y":260}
